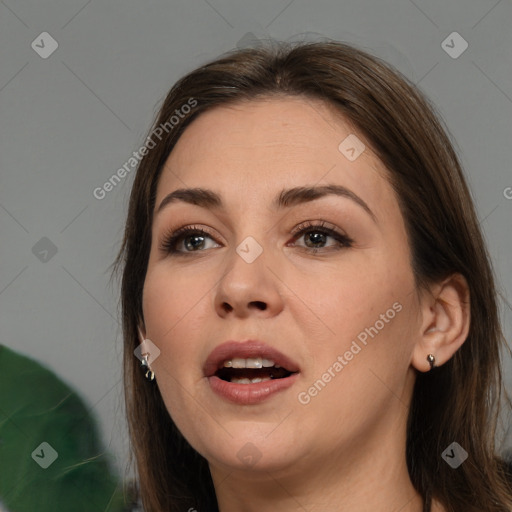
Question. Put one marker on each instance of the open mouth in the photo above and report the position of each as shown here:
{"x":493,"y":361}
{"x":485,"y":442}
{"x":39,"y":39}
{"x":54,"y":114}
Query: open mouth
{"x":251,"y":370}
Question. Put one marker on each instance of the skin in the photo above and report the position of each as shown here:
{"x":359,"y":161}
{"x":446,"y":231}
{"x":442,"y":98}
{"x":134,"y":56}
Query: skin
{"x":345,"y":449}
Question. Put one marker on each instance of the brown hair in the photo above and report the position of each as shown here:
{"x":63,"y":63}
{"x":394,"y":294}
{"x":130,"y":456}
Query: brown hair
{"x":458,"y":401}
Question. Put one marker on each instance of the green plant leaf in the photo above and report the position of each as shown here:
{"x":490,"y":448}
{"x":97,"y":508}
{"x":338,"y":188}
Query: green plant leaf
{"x":37,"y":407}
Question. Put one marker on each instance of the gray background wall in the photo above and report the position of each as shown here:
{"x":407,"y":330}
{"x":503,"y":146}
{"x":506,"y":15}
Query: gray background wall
{"x":70,"y":120}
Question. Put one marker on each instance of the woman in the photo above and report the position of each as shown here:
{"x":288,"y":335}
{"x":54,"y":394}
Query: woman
{"x":306,"y":278}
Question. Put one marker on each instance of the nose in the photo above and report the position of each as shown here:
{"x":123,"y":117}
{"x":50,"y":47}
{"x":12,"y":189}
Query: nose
{"x":248,"y":288}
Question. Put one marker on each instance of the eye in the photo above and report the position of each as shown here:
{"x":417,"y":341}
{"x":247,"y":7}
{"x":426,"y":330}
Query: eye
{"x":193,"y":237}
{"x":317,"y":234}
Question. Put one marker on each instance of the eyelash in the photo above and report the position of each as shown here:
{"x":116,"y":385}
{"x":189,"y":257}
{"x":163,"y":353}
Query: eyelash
{"x":170,"y":240}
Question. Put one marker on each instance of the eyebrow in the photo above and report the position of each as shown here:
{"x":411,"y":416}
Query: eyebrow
{"x":285,"y":199}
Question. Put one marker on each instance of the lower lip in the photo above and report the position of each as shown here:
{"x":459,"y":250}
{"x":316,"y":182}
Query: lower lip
{"x":248,"y":394}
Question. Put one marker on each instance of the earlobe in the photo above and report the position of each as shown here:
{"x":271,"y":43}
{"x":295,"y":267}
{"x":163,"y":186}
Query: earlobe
{"x":445,"y":326}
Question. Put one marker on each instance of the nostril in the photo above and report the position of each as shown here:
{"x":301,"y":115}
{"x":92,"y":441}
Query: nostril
{"x":259,"y":304}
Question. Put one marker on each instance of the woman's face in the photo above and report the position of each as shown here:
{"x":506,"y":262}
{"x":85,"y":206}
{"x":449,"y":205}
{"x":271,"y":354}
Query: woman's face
{"x":337,"y":309}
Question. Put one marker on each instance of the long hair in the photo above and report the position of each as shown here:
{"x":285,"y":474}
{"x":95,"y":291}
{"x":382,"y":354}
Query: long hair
{"x":459,"y":401}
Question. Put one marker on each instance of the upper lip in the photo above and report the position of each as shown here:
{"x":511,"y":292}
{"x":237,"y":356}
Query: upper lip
{"x":246,"y":349}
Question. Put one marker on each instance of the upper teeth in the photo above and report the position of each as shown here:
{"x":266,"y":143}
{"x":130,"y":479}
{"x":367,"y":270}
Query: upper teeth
{"x":250,"y":362}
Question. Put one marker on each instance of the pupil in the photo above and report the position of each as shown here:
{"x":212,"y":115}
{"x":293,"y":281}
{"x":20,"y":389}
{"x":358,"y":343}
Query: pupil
{"x":196,"y":238}
{"x":316,"y":235}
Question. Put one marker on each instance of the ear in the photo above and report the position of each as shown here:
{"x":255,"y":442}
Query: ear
{"x":445,"y":313}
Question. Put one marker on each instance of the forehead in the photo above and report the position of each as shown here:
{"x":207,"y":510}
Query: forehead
{"x":263,"y":145}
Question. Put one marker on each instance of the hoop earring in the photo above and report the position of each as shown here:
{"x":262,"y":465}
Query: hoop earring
{"x":148,"y":372}
{"x":431,"y":359}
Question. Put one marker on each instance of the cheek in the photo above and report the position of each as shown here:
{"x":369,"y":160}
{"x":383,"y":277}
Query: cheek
{"x":365,"y":318}
{"x":349,"y":297}
{"x":171,"y":307}
{"x":360,"y":370}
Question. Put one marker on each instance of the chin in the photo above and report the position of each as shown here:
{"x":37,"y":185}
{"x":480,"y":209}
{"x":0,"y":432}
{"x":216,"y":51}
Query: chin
{"x":252,"y":450}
